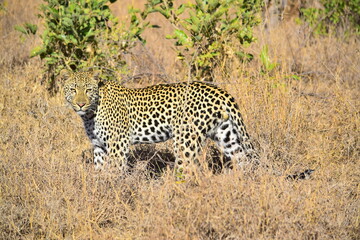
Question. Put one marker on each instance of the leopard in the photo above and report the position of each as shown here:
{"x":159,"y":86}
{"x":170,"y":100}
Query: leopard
{"x":116,"y":117}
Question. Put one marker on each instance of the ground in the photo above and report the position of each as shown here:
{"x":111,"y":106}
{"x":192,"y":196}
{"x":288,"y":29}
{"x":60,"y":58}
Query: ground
{"x":304,"y":114}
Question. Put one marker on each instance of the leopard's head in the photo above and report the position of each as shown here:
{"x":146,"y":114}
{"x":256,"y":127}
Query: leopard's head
{"x":81,"y":91}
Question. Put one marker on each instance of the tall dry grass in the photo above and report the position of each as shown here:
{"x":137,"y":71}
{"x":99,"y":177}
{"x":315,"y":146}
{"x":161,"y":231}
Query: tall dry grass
{"x":48,"y":190}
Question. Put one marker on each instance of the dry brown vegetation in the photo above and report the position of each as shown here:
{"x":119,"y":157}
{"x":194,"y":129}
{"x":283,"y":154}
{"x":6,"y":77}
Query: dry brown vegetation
{"x":48,"y":190}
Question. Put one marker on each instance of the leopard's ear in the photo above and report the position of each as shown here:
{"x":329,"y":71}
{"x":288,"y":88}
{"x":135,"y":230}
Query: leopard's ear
{"x":63,"y":76}
{"x":101,"y":83}
{"x":97,"y":75}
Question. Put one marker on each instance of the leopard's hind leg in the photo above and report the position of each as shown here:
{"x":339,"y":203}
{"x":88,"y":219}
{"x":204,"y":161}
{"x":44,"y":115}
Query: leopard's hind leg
{"x":188,"y":142}
{"x":234,"y":141}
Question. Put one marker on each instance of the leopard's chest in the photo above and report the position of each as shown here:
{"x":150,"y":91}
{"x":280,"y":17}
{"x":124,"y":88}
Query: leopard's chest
{"x":95,"y":132}
{"x":101,"y":131}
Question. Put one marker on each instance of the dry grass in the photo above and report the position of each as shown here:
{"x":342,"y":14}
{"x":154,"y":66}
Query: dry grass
{"x":49,"y":191}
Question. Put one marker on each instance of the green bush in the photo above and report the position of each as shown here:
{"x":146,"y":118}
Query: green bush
{"x":80,"y":34}
{"x":205,"y":30}
{"x":335,"y":15}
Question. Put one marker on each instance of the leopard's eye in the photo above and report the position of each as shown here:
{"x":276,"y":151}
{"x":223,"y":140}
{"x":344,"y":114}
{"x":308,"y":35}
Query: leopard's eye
{"x":73,"y":90}
{"x":89,"y":90}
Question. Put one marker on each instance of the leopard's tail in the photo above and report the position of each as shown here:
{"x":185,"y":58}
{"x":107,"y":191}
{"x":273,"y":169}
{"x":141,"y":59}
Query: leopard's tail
{"x":251,"y":153}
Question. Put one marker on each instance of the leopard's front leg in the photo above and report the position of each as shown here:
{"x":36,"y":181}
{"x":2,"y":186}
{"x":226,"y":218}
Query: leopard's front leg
{"x":99,"y":157}
{"x":100,"y":152}
{"x":118,"y":149}
{"x":115,"y":154}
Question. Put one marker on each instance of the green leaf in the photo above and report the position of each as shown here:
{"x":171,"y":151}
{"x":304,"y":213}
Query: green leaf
{"x":37,"y":51}
{"x":67,"y":22}
{"x":164,"y":12}
{"x":201,"y":5}
{"x":20,"y":29}
{"x":155,"y":2}
{"x":244,"y":57}
{"x":27,"y":28}
{"x":181,"y":36}
{"x":180,"y":9}
{"x":265,"y":59}
{"x":73,"y":40}
{"x":51,"y":60}
{"x":194,"y":19}
{"x":90,"y":33}
{"x":32,"y":28}
{"x":220,"y":11}
{"x":213,"y":5}
{"x":296,"y":77}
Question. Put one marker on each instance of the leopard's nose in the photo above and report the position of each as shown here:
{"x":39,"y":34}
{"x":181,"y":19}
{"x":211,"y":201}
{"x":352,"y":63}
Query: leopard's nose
{"x":80,"y":104}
